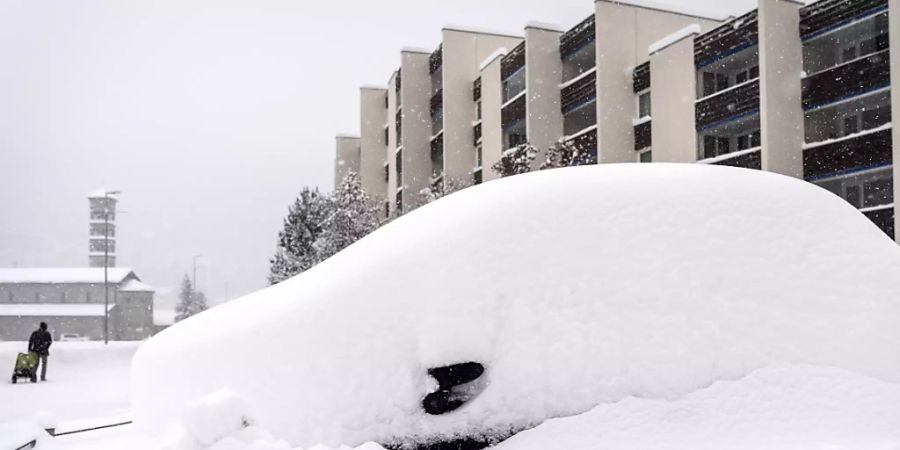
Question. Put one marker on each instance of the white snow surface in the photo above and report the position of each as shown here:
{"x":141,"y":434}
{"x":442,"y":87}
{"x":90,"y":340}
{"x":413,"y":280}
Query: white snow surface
{"x":692,"y":29}
{"x":575,"y":288}
{"x":63,"y":275}
{"x":54,"y":309}
{"x":781,"y":407}
{"x":499,"y":53}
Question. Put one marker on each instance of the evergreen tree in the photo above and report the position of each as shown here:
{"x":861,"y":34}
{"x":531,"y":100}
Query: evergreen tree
{"x":563,"y":154}
{"x":439,"y":188}
{"x":353,"y":216}
{"x":190,"y":301}
{"x":296,"y":251}
{"x":515,"y":160}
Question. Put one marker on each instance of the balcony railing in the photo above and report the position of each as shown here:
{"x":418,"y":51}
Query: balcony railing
{"x":514,"y":111}
{"x":825,"y":15}
{"x":747,"y":159}
{"x":730,"y":38}
{"x":581,"y":90}
{"x":578,"y":36}
{"x":847,"y":80}
{"x":436,"y":60}
{"x":476,"y":133}
{"x":476,"y":90}
{"x":739,"y":100}
{"x":643,"y":135}
{"x":866,"y":149}
{"x":641,"y":77}
{"x":437,"y":100}
{"x":513,"y":61}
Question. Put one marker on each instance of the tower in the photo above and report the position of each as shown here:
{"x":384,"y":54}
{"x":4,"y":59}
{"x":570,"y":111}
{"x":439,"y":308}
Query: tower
{"x":102,"y":234}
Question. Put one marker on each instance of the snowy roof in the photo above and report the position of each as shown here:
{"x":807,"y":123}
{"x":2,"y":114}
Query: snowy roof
{"x":477,"y":30}
{"x":346,"y":136}
{"x":101,"y":193}
{"x":54,"y":309}
{"x":673,"y":8}
{"x":690,"y":30}
{"x":64,"y":275}
{"x":374,"y":87}
{"x":136,"y":285}
{"x":415,"y":50}
{"x":499,"y":53}
{"x":163,"y":316}
{"x":545,"y":26}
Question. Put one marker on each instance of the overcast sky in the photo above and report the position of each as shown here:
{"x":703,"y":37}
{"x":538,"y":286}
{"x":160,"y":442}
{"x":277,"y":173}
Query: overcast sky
{"x":209,"y":116}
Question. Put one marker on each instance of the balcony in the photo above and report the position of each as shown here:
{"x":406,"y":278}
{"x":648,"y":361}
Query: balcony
{"x":436,"y":60}
{"x":728,"y":39}
{"x":826,"y":15}
{"x":513,"y":61}
{"x":847,"y":80}
{"x":437,"y":100}
{"x":476,"y":133}
{"x":585,"y":141}
{"x":640,"y":77}
{"x":643,"y":136}
{"x":737,"y":101}
{"x":476,"y":90}
{"x":869,"y":148}
{"x":579,"y":90}
{"x":513,"y":110}
{"x":577,"y":37}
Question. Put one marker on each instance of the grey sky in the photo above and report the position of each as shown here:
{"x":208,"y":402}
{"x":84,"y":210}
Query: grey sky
{"x":208,"y":115}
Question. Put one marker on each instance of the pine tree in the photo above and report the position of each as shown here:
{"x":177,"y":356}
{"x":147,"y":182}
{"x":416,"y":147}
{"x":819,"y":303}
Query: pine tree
{"x":190,"y":301}
{"x":353,"y":216}
{"x":563,"y":154}
{"x":296,"y":250}
{"x":515,"y":160}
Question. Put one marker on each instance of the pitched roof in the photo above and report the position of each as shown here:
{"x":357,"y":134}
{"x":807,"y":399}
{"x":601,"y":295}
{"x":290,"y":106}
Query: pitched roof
{"x":53,"y":309}
{"x":65,"y":275}
{"x":135,"y":285}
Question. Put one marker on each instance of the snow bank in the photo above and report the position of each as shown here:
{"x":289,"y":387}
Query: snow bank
{"x":800,"y":407}
{"x":573,"y":287}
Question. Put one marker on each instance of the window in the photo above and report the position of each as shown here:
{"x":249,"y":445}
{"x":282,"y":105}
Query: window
{"x":644,"y":105}
{"x":478,"y":156}
{"x":875,"y":117}
{"x":514,"y":135}
{"x":478,"y":110}
{"x":714,"y":146}
{"x":476,"y":177}
{"x":437,"y":120}
{"x":385,"y":135}
{"x":748,"y":141}
{"x":513,"y":85}
{"x":852,"y":195}
{"x":100,"y":245}
{"x":399,"y":201}
{"x":579,"y":61}
{"x":645,"y":156}
{"x":878,"y":192}
{"x":387,"y":172}
{"x":387,"y":209}
{"x":579,"y":118}
{"x":848,"y":54}
{"x":714,"y":82}
{"x":747,"y":75}
{"x":865,"y":189}
{"x":398,"y":163}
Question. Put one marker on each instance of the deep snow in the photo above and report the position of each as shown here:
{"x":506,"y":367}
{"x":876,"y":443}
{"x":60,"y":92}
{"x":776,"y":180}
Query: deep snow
{"x":574,"y":287}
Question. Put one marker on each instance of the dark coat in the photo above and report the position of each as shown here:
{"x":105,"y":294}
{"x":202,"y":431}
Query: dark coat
{"x":40,"y":342}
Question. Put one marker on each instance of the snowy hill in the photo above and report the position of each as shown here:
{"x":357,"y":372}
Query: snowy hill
{"x":572,"y":288}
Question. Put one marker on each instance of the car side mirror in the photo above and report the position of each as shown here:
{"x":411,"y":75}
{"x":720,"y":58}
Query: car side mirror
{"x":457,"y":385}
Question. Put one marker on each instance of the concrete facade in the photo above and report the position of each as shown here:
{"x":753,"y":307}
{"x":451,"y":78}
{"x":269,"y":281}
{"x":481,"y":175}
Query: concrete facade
{"x":491,"y":100}
{"x":673,"y":80}
{"x":372,"y":142}
{"x":543,"y":72}
{"x":624,"y":34}
{"x":346,"y":157}
{"x":462,"y":53}
{"x":415,"y":98}
{"x":780,"y":63}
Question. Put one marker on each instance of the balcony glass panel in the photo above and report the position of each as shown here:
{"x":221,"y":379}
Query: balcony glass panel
{"x":725,"y":73}
{"x":863,"y":189}
{"x":579,"y":61}
{"x":846,"y":118}
{"x":846,"y":44}
{"x":514,"y":134}
{"x":514,"y":85}
{"x":580,"y":118}
{"x":731,"y":137}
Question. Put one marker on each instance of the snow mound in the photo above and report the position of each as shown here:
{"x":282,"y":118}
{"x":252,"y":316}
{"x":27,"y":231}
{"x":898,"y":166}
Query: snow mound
{"x":571,"y":287}
{"x":223,"y":421}
{"x":799,"y":407}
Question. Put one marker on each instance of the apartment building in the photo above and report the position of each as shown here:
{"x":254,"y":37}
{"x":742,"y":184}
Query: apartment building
{"x":801,"y":90}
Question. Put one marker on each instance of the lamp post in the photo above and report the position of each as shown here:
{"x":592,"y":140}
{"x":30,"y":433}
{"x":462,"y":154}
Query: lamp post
{"x":106,"y":264}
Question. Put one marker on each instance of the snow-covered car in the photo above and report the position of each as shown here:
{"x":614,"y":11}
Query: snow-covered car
{"x":72,"y":337}
{"x":547,"y":295}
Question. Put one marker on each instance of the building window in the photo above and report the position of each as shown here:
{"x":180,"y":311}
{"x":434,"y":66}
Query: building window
{"x":579,"y":61}
{"x":437,"y":120}
{"x":851,"y":124}
{"x":714,"y":82}
{"x":644,"y":105}
{"x":865,"y":189}
{"x":385,"y":135}
{"x":580,"y":117}
{"x":748,"y":141}
{"x":747,"y":75}
{"x":478,"y":110}
{"x":478,"y":156}
{"x":513,"y":85}
{"x":714,"y":146}
{"x":387,"y":209}
{"x":514,"y":135}
{"x":398,"y":165}
{"x":645,"y":156}
{"x":476,"y":177}
{"x":399,"y":201}
{"x":387,"y":172}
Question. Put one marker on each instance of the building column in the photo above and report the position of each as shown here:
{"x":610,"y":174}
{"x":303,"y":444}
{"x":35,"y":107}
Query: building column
{"x":491,"y":123}
{"x":894,"y":30}
{"x":673,"y":91}
{"x":346,"y":157}
{"x":780,"y":66}
{"x":372,"y":143}
{"x":415,"y":102}
{"x":543,"y":74}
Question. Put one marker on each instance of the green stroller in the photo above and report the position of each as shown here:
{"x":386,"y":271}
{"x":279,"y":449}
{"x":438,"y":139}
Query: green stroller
{"x":26,"y":366}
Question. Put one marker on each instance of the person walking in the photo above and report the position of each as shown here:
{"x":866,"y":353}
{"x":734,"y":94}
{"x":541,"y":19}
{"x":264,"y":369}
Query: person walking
{"x":40,"y":343}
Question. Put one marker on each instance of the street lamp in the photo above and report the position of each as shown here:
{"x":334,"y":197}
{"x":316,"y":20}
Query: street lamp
{"x":106,"y":195}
